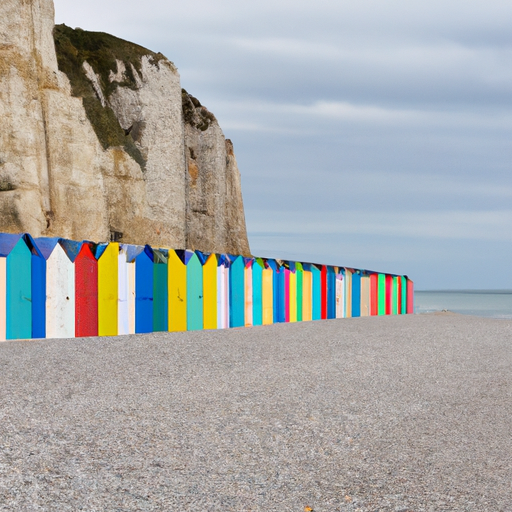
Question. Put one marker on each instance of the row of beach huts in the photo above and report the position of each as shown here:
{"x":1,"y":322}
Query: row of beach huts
{"x":55,"y":288}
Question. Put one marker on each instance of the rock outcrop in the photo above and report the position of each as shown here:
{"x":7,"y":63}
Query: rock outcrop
{"x":99,"y":141}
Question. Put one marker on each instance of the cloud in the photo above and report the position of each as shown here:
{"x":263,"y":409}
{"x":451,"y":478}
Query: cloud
{"x":368,"y":113}
{"x":370,"y":133}
{"x":467,"y":225}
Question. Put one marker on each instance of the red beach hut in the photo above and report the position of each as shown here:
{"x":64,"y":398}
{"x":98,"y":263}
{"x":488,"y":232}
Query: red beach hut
{"x":374,"y":294}
{"x":86,"y":289}
{"x":389,"y":294}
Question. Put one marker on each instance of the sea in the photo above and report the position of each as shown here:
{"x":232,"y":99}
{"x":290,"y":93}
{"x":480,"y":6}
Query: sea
{"x":485,"y":303}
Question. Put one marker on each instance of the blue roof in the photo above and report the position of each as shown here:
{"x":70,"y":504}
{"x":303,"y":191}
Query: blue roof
{"x":7,"y":243}
{"x":46,"y":245}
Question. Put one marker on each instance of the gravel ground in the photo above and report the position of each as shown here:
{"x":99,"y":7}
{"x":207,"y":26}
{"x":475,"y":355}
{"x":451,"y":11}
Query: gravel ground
{"x":389,"y":413}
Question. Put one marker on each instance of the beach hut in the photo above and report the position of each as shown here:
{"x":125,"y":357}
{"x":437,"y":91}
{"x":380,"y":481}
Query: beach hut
{"x":389,"y":294}
{"x":127,"y":287}
{"x":86,"y":291}
{"x":107,"y":256}
{"x":394,"y":295}
{"x":286,"y":271}
{"x":356,"y":294}
{"x":381,"y":309}
{"x":15,"y":288}
{"x":374,"y":294}
{"x":410,"y":297}
{"x":5,"y":248}
{"x":142,"y":259}
{"x":398,"y":295}
{"x":237,"y":292}
{"x":223,"y":292}
{"x":307,"y":292}
{"x":257,"y":291}
{"x":278,"y":285}
{"x":340,"y":306}
{"x":249,"y":262}
{"x":126,"y":312}
{"x":331,"y":292}
{"x":177,"y":283}
{"x":292,"y":292}
{"x":38,"y":285}
{"x":272,"y":264}
{"x":299,"y":273}
{"x":267,"y":293}
{"x":403,"y":297}
{"x":348,"y":292}
{"x":123,"y":318}
{"x":365,"y":294}
{"x":316,"y":300}
{"x":316,"y":289}
{"x":281,"y":295}
{"x":160,"y":291}
{"x":210,"y":291}
{"x":194,"y":292}
{"x":323,"y":288}
{"x":58,"y":275}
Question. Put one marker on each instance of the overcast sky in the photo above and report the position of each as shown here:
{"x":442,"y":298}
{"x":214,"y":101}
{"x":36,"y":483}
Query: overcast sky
{"x":368,"y":134}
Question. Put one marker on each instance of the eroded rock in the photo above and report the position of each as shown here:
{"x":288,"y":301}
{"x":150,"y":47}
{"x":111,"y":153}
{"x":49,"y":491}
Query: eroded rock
{"x":99,"y":138}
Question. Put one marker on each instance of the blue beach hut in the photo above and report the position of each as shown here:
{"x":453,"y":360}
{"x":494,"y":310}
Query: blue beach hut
{"x":356,"y":294}
{"x":331,"y":292}
{"x":144,"y":277}
{"x":38,"y":283}
{"x":278,"y":285}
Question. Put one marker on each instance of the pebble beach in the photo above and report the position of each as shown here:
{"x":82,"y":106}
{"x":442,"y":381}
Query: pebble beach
{"x":401,"y":413}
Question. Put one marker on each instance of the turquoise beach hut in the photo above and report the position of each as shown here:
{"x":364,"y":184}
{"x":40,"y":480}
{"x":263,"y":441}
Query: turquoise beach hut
{"x":160,"y":291}
{"x":195,"y":302}
{"x":257,"y":291}
{"x":317,"y":292}
{"x":403,"y":297}
{"x":15,"y":287}
{"x":381,"y":283}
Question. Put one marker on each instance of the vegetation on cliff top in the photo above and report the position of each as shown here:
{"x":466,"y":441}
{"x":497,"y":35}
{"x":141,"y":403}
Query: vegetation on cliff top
{"x":194,"y":113}
{"x":101,"y":51}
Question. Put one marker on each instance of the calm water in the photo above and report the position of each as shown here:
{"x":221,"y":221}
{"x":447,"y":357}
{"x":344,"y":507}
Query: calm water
{"x":489,"y":303}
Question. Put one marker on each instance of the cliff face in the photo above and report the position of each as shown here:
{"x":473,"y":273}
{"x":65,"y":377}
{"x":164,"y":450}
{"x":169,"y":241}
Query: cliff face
{"x":100,"y":141}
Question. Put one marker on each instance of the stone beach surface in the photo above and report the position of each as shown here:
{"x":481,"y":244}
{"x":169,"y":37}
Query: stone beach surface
{"x":409,"y":413}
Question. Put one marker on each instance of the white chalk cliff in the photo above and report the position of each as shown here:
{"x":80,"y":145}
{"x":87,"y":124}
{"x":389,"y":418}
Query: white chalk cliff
{"x":99,"y":140}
